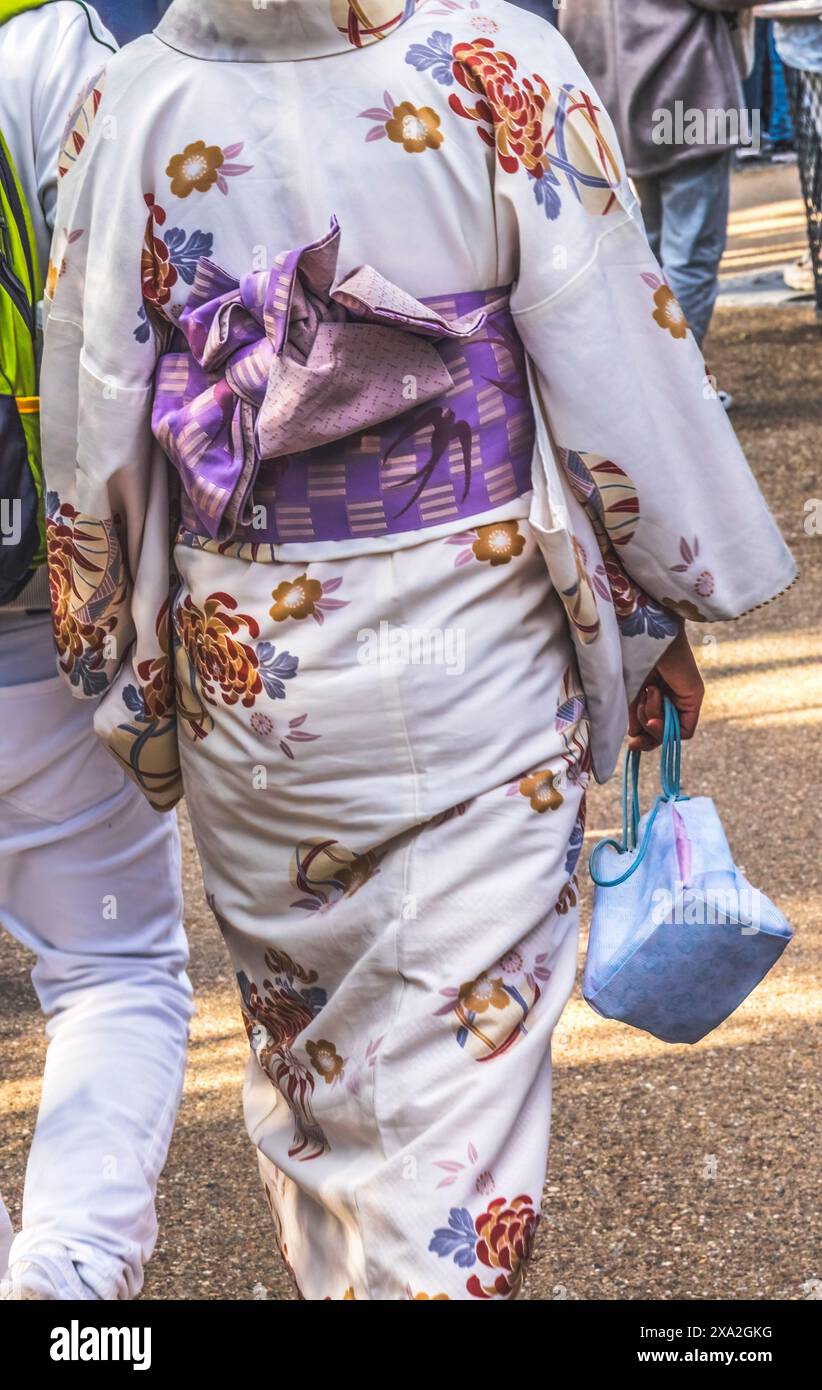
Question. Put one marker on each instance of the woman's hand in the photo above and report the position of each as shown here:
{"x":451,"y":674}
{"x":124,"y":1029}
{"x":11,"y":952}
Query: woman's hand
{"x":676,"y":675}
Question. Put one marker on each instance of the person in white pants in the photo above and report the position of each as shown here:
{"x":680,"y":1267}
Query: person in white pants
{"x":89,"y":874}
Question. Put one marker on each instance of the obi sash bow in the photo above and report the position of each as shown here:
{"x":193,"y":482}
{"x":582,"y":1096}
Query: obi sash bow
{"x":284,"y":361}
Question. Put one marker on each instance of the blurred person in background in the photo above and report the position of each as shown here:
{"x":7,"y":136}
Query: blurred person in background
{"x":546,"y":9}
{"x":89,"y":873}
{"x":129,"y":18}
{"x":645,"y":56}
{"x":799,"y":45}
{"x":766,"y":92}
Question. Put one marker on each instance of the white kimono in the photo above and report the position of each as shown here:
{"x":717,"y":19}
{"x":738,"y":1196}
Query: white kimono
{"x":385,"y":739}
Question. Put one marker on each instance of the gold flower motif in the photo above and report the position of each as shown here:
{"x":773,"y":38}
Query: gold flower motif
{"x":568,"y":897}
{"x":416,"y":128}
{"x":541,"y":789}
{"x":197,"y":167}
{"x":668,"y":312}
{"x":499,"y":542}
{"x":326,"y":1060}
{"x":52,"y":276}
{"x":684,"y":609}
{"x":295,"y":598}
{"x":477,"y":996}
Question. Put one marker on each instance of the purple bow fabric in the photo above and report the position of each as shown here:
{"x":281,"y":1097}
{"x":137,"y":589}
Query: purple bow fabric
{"x":284,"y":361}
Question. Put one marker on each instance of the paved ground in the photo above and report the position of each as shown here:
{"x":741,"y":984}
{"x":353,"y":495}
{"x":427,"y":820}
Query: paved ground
{"x":767,"y":228}
{"x":675,"y":1172}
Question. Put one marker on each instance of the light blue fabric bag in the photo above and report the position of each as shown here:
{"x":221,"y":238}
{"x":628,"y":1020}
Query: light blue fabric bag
{"x":678,"y":937}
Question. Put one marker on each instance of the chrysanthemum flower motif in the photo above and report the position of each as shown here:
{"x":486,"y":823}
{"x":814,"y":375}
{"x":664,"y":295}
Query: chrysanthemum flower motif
{"x":505,"y":1237}
{"x":210,"y":637}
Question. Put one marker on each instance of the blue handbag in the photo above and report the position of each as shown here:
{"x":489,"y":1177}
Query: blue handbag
{"x":678,"y":937}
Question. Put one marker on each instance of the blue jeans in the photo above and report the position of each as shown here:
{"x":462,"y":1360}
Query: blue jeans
{"x":686,"y":218}
{"x":780,"y":125}
{"x":768,"y":80}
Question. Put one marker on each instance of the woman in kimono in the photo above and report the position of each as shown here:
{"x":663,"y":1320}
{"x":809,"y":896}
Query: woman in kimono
{"x":367,"y":283}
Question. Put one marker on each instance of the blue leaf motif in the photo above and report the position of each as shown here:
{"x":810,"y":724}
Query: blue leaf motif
{"x":143,"y":330}
{"x":434,"y":56}
{"x":275,"y":668}
{"x":88,"y":675}
{"x":186,"y":253}
{"x":574,"y":848}
{"x":650,"y":618}
{"x":315,"y":999}
{"x":458,"y":1239}
{"x":133,"y":700}
{"x":545,"y":192}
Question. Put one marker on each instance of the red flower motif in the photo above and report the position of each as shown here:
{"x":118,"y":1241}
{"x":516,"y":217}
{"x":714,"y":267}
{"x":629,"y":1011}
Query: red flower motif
{"x":209,"y":637}
{"x":627,"y":596}
{"x":506,"y":1237}
{"x":86,"y":582}
{"x":157,"y":674}
{"x":514,"y":110}
{"x":157,"y":274}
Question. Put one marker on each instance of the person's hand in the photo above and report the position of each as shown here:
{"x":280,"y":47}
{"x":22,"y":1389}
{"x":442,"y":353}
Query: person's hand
{"x":676,"y":675}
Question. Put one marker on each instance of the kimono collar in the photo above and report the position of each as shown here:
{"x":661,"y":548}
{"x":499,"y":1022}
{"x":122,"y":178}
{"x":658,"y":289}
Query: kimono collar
{"x":266,"y":31}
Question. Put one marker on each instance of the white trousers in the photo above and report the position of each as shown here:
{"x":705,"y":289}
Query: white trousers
{"x":90,"y":882}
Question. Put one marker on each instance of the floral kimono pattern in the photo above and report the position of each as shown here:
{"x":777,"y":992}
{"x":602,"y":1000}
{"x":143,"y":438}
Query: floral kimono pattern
{"x":389,"y":826}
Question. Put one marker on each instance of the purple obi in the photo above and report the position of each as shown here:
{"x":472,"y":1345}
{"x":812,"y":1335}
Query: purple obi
{"x":300,"y":410}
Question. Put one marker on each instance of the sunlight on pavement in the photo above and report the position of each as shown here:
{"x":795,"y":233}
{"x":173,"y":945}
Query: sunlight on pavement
{"x":766,"y":235}
{"x":768,"y":218}
{"x":771,"y":680}
{"x":780,"y":1006}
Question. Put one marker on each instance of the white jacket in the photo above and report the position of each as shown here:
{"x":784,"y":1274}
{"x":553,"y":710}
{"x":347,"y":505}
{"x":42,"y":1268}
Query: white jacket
{"x":46,"y":57}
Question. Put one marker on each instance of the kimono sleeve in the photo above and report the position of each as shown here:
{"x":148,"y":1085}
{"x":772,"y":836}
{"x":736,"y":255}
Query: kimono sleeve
{"x":642,"y":439}
{"x":107,"y":498}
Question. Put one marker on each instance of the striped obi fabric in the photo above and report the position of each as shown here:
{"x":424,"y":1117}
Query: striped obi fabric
{"x":297,"y":410}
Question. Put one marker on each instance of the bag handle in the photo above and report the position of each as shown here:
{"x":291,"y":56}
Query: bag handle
{"x":670,"y":772}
